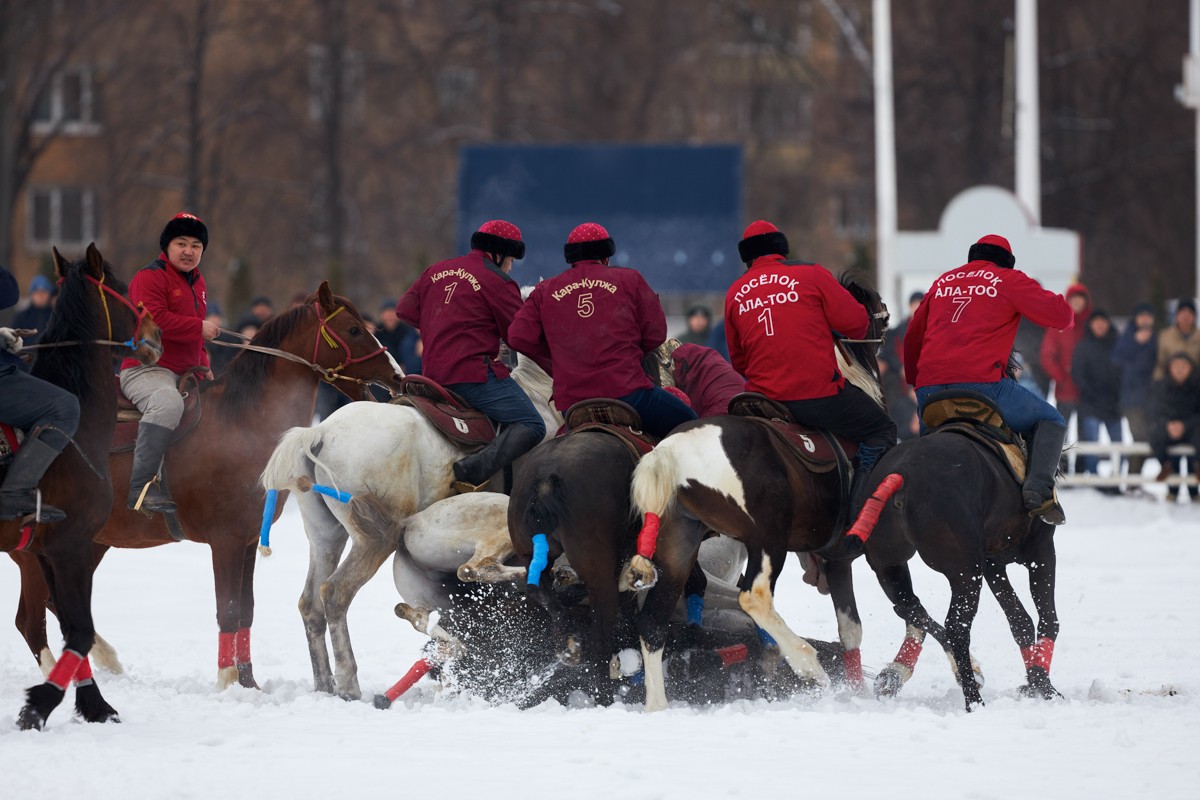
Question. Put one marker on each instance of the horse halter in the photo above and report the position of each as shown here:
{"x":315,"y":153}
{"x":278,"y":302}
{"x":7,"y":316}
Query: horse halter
{"x":335,"y":342}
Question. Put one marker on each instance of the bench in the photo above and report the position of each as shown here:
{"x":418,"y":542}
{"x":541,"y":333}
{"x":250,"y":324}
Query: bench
{"x":1113,"y":452}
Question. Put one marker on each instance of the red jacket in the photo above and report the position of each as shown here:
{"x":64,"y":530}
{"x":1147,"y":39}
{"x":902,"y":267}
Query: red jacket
{"x":590,"y":327}
{"x":176,"y":300}
{"x":462,"y":307}
{"x":964,"y":329}
{"x":1058,"y":350}
{"x":707,"y":379}
{"x":779,"y":319}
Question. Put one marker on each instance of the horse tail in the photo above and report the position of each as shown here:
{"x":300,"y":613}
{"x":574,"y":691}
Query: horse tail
{"x":548,"y":507}
{"x":289,"y":462}
{"x":868,"y":518}
{"x":656,"y":481}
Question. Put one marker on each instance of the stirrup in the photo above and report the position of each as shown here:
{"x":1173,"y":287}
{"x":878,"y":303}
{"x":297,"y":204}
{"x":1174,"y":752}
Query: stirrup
{"x":1050,"y":512}
{"x":462,"y":487}
{"x":149,"y":512}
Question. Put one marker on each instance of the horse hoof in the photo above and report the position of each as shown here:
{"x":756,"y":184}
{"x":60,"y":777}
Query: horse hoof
{"x":30,"y":719}
{"x":382,"y":702}
{"x":888,"y":682}
{"x":246,"y":676}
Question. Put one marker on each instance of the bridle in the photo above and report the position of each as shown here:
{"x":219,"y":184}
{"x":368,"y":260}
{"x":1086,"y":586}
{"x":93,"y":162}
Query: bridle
{"x":139,"y":311}
{"x":874,"y":327}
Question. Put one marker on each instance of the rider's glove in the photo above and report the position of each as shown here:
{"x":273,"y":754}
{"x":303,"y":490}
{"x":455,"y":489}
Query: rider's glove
{"x":10,"y":341}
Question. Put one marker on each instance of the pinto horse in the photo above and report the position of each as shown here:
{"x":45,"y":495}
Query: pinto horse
{"x":726,"y":474}
{"x":76,"y":353}
{"x":948,"y":497}
{"x":393,"y":462}
{"x":212,"y":468}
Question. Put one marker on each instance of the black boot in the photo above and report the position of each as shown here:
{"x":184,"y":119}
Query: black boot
{"x":864,"y":463}
{"x":18,"y":495}
{"x":148,"y":454}
{"x":510,"y":444}
{"x":1045,"y":449}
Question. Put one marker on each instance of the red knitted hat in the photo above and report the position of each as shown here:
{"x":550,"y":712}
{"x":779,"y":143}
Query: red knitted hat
{"x":588,"y":242}
{"x":761,"y":238}
{"x":500,"y":237}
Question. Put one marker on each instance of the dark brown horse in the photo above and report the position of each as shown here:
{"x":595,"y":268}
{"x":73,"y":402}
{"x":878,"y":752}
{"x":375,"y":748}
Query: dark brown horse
{"x":76,"y":353}
{"x":951,"y":499}
{"x":727,"y":474}
{"x":213,"y":469}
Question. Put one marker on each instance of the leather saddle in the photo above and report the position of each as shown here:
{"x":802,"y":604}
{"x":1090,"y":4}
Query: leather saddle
{"x":614,"y":417}
{"x":452,"y":416}
{"x":819,"y":451}
{"x":974,"y":415}
{"x":128,"y":416}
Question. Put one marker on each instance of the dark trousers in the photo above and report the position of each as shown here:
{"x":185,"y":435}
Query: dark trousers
{"x":27,"y":402}
{"x":503,"y":400}
{"x":849,"y":413}
{"x":660,"y":410}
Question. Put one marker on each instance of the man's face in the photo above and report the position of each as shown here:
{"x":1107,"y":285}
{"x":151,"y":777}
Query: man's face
{"x":1185,"y":318}
{"x":387,"y":318}
{"x":697,"y":323}
{"x":261,"y":312}
{"x":185,"y":252}
{"x":40,"y":298}
{"x":1078,"y":303}
{"x":1144,"y":320}
{"x":1099,"y":326}
{"x":1180,"y":369}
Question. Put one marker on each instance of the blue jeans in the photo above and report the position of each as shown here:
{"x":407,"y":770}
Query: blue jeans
{"x":1021,"y":408}
{"x":1089,"y":431}
{"x":503,"y":401}
{"x":660,"y":410}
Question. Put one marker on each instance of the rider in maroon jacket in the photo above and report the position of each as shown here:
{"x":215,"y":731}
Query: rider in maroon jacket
{"x":172,"y":290}
{"x":590,"y":327}
{"x":462,"y":307}
{"x":706,"y":377}
{"x":779,"y":322}
{"x":960,"y":337}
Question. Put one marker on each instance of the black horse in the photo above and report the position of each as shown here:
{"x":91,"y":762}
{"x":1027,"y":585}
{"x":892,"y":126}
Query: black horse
{"x":948,"y":496}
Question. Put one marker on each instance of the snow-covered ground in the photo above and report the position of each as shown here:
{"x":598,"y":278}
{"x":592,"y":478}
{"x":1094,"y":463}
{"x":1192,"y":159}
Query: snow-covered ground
{"x":1127,"y":661}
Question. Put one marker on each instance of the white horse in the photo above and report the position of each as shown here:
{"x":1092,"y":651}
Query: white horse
{"x":394,"y":463}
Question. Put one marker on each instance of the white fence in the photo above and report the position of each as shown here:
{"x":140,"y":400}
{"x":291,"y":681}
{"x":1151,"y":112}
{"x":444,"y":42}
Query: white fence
{"x":1114,"y":452}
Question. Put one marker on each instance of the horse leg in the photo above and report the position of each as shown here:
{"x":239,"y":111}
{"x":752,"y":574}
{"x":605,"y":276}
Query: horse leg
{"x":964,"y":602}
{"x":1042,"y":564}
{"x":364,"y":560}
{"x":326,"y":541}
{"x":896,"y":582}
{"x":486,"y":565}
{"x":597,"y":572}
{"x":841,"y":590}
{"x":31,"y":609}
{"x":228,"y":562}
{"x":758,"y":603}
{"x":241,"y":640}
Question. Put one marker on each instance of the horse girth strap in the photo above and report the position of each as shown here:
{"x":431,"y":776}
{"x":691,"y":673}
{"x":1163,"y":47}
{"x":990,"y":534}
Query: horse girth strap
{"x":636,"y":444}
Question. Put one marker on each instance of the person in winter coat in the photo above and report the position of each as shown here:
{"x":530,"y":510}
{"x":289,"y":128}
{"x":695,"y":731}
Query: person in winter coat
{"x":590,"y":327}
{"x":1175,"y":415}
{"x":1058,"y":346}
{"x":1099,"y":383}
{"x":173,"y":291}
{"x":48,"y":415}
{"x":1135,"y":353}
{"x":961,"y":338}
{"x":463,"y":307}
{"x":706,"y":378}
{"x":36,"y":315}
{"x":779,"y":321}
{"x":1181,"y":337}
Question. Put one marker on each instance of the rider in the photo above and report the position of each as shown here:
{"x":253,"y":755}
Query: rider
{"x":47,"y":413}
{"x":704,"y":376}
{"x":960,"y":338}
{"x":462,"y":307}
{"x":779,"y":322}
{"x":172,"y":290}
{"x":591,"y":325}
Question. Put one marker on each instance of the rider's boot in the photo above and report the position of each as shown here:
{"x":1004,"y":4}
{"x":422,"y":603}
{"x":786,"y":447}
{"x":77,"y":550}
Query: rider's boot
{"x":472,"y":472}
{"x":1045,"y":449}
{"x":18,"y":495}
{"x":145,"y":492}
{"x":864,"y":463}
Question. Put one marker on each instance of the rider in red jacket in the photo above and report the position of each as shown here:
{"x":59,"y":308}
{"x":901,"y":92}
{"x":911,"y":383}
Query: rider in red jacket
{"x":960,"y":338}
{"x":706,"y":378}
{"x":462,"y":307}
{"x":779,"y":322}
{"x":590,"y":327}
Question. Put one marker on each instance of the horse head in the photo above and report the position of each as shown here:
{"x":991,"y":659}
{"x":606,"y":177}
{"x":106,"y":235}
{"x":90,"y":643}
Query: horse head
{"x":859,"y":359}
{"x":346,"y":349}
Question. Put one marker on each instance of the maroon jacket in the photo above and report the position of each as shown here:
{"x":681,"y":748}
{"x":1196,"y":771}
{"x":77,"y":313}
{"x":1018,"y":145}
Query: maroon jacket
{"x":462,"y":307}
{"x":177,"y":303}
{"x":589,"y":327}
{"x":707,"y":379}
{"x":779,"y":319}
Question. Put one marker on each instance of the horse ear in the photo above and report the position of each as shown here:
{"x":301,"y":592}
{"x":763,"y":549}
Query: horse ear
{"x":60,"y":264}
{"x":95,"y":262}
{"x":325,"y":297}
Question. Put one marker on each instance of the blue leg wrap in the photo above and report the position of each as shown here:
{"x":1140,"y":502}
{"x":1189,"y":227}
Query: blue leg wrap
{"x":329,"y":491}
{"x":541,"y":553}
{"x":695,"y":609}
{"x":766,"y":638}
{"x":264,"y":533}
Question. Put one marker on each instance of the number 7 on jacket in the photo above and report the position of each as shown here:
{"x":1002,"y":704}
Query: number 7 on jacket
{"x":961,"y":302}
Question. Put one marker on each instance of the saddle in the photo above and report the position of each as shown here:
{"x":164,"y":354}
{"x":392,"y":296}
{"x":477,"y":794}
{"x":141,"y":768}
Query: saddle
{"x":614,"y":417}
{"x":973,"y":415}
{"x":452,"y":416}
{"x":128,"y":416}
{"x":819,"y":451}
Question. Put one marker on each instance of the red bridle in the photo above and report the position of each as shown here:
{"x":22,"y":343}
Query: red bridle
{"x":335,"y":341}
{"x":140,"y":311}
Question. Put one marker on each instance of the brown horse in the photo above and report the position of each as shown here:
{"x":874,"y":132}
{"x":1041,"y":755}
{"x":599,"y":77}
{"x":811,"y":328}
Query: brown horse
{"x":90,"y":316}
{"x":213,"y":468}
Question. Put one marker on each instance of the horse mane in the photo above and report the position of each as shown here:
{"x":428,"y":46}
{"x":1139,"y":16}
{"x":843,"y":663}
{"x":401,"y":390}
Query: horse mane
{"x":533,"y":380}
{"x":75,"y":318}
{"x":858,"y":365}
{"x":248,"y":371}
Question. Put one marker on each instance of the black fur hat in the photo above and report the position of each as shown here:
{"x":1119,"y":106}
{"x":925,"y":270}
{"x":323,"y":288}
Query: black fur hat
{"x":183,"y":224}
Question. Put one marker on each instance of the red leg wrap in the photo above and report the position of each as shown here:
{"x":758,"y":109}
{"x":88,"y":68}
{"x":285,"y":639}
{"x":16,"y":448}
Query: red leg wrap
{"x":241,"y":646}
{"x":1039,"y":654}
{"x":910,"y":651}
{"x":65,"y":669}
{"x":414,"y":674}
{"x":873,"y":507}
{"x":648,"y":538}
{"x":225,"y":650}
{"x":25,"y":539}
{"x":852,"y":661}
{"x":84,"y":672}
{"x":733,"y":654}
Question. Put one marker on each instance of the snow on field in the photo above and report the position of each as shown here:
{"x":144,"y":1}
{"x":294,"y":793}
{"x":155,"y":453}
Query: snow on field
{"x":1127,"y":661}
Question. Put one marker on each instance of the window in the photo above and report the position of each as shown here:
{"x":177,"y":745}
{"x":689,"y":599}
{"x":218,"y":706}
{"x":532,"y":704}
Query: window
{"x":61,"y":215}
{"x":70,"y":104}
{"x":320,"y":87}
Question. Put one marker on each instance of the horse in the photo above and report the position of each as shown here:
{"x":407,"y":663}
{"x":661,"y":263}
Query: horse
{"x":76,"y":353}
{"x":727,"y":474}
{"x":393,"y":463}
{"x":949,"y":497}
{"x":212,"y":467}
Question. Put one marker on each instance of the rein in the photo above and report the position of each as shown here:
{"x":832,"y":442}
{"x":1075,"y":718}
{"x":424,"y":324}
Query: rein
{"x":133,"y":343}
{"x":877,"y":315}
